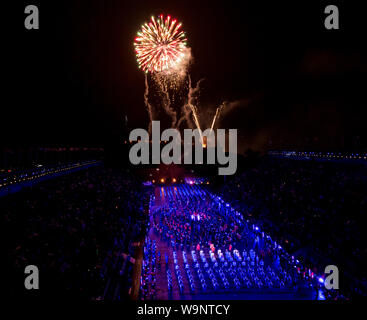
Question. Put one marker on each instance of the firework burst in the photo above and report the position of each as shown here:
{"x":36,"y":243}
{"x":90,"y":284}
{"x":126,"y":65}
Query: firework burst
{"x":160,"y":45}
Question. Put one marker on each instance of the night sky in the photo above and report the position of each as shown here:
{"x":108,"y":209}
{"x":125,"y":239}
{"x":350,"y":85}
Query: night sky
{"x":290,"y":82}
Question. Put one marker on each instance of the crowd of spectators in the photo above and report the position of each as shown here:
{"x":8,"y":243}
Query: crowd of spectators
{"x":317,"y":210}
{"x":79,"y":230}
{"x":221,"y":253}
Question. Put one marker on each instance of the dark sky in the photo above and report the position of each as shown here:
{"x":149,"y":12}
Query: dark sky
{"x":290,"y":82}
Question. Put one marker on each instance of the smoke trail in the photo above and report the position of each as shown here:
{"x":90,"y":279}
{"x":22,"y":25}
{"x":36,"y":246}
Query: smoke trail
{"x":217,"y":113}
{"x":147,"y":104}
{"x":164,"y":84}
{"x":196,"y":120}
{"x":190,"y":102}
{"x":186,"y":111}
{"x":189,"y":106}
{"x":214,"y":118}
